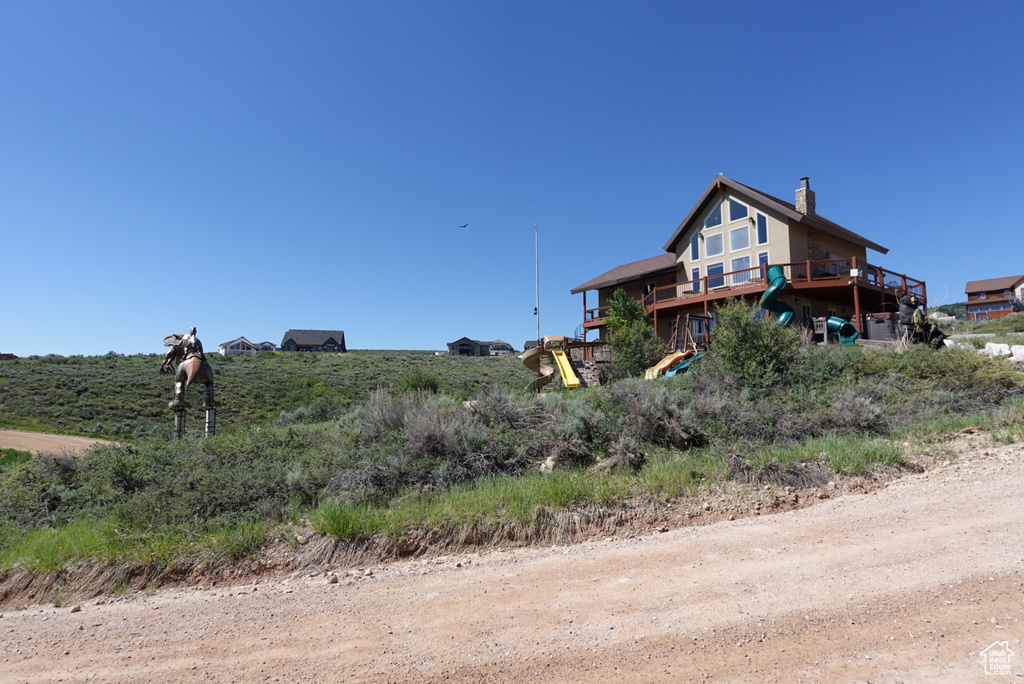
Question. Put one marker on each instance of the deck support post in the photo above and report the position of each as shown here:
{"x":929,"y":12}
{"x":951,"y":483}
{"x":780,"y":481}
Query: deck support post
{"x":584,"y":315}
{"x":857,"y":322}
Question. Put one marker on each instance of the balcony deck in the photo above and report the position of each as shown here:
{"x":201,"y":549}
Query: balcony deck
{"x":864,"y":286}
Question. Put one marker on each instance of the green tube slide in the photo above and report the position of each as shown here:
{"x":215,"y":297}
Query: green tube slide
{"x":843,"y":328}
{"x":769,"y":300}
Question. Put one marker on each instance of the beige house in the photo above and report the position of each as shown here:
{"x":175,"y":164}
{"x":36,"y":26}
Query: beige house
{"x":722,"y":249}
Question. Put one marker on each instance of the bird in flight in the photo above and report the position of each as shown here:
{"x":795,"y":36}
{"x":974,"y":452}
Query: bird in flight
{"x":464,"y":225}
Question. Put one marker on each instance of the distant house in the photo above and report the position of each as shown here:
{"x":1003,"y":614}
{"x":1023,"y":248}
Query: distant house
{"x":243,"y":346}
{"x":314,"y":340}
{"x":236,"y":347}
{"x":530,"y":344}
{"x":468,"y":347}
{"x":7,"y":357}
{"x":993,"y":298}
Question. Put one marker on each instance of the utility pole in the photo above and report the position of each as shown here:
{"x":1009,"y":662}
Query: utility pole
{"x":536,"y":258}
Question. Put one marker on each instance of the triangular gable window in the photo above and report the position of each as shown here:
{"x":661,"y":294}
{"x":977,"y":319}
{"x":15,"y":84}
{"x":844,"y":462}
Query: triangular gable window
{"x":737,"y":210}
{"x":715,"y":217}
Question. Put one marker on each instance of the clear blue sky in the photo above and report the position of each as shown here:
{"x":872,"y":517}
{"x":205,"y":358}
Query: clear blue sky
{"x":250,"y":167}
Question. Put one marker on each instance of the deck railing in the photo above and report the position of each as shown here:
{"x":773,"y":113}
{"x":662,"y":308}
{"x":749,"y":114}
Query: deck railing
{"x":823,"y":271}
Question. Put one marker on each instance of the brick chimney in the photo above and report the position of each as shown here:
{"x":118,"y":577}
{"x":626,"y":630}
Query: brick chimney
{"x":805,"y":197}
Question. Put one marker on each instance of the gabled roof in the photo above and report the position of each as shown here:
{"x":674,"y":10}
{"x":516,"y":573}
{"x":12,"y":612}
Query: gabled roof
{"x":237,"y":339}
{"x":313,"y":338}
{"x":788,"y":210}
{"x":653,"y":266}
{"x":479,"y":343}
{"x":993,"y":284}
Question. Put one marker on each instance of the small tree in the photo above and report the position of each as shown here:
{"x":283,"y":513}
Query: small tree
{"x":635,"y":347}
{"x":759,"y":352}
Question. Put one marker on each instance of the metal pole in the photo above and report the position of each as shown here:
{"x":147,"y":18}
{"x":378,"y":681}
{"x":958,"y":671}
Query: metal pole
{"x":179,"y":423}
{"x":536,"y":258}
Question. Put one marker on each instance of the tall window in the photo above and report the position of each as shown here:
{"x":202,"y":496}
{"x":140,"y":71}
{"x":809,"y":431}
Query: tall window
{"x":762,"y":229}
{"x":695,"y":278}
{"x":741,"y":270}
{"x":694,"y":247}
{"x":715,"y":270}
{"x":714,"y":245}
{"x":739,"y":238}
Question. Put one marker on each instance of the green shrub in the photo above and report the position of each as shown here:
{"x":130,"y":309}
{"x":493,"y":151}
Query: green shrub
{"x":634,"y":345}
{"x":418,"y":380}
{"x":752,"y":347}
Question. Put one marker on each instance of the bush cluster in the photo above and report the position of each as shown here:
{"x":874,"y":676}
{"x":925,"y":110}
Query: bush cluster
{"x":414,"y":440}
{"x":412,"y":429}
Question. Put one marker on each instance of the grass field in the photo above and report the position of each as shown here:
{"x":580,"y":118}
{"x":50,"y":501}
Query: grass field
{"x":126,"y":396}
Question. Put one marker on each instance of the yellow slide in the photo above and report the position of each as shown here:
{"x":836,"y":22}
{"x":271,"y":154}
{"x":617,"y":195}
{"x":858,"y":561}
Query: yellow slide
{"x":553,"y":346}
{"x":569,"y":378}
{"x":666,"y":363}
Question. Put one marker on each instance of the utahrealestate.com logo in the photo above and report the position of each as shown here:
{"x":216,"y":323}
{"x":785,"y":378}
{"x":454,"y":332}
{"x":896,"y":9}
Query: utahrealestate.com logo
{"x":997,"y":658}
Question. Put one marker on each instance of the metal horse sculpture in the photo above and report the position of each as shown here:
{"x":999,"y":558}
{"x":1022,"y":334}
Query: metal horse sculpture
{"x":186,"y":360}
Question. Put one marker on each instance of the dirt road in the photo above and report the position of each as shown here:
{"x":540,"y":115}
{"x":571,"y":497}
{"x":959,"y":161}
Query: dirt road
{"x":41,"y":442}
{"x":910,"y":583}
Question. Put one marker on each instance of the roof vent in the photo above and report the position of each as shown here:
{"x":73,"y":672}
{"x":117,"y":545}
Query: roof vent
{"x":805,"y":197}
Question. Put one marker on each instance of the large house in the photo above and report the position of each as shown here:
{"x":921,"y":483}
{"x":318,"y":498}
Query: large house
{"x":723,"y":247}
{"x":241,"y":345}
{"x":995,"y":297}
{"x":468,"y":347}
{"x":314,"y":341}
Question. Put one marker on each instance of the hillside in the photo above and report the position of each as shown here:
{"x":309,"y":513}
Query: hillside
{"x":126,"y":396}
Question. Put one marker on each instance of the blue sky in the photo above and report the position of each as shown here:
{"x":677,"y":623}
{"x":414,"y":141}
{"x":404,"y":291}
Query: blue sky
{"x":250,"y":167}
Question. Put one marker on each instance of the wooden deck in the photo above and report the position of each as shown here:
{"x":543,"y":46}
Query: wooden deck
{"x":864,"y":287}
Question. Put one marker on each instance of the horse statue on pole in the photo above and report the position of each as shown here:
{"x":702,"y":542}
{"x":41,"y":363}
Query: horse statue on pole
{"x":186,"y":360}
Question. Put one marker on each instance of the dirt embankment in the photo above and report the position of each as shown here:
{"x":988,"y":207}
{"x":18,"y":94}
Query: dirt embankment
{"x":917,"y":581}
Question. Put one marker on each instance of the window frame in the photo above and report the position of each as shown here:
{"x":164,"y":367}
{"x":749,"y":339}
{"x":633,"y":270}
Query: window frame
{"x":757,"y":228}
{"x":707,"y":250}
{"x":741,"y":278}
{"x":719,"y":278}
{"x":717,"y":208}
{"x":732,"y":231}
{"x":735,"y":202}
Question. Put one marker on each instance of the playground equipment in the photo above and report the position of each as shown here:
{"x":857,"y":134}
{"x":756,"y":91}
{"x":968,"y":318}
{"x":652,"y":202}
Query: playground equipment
{"x":769,"y":300}
{"x":844,"y":330}
{"x":554,"y":347}
{"x":683,"y":347}
{"x":776,"y":277}
{"x":675,"y":362}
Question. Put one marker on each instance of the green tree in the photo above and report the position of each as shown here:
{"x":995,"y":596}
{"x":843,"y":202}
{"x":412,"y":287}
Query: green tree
{"x":753,"y":347}
{"x":635,"y":347}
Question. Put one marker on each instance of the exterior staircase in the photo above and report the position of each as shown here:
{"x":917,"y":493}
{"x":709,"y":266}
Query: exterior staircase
{"x":586,"y":371}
